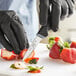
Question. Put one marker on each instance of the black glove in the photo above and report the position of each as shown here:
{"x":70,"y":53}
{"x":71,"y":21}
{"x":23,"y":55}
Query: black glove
{"x":12,"y":35}
{"x":59,"y":10}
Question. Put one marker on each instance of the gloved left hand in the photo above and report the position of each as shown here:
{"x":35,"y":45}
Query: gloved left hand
{"x":60,"y":9}
{"x":12,"y":35}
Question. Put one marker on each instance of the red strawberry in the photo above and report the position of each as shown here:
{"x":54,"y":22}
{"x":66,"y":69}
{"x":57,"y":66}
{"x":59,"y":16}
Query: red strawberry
{"x":23,"y":53}
{"x":35,"y":71}
{"x":55,"y":51}
{"x":73,"y":45}
{"x":7,"y":55}
{"x":68,"y":55}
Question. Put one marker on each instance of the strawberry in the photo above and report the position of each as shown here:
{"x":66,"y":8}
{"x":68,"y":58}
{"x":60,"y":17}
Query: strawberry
{"x":68,"y":55}
{"x":73,"y":44}
{"x":55,"y":51}
{"x":57,"y":46}
{"x":32,"y":60}
{"x":7,"y":55}
{"x":34,"y":69}
{"x":21,"y":55}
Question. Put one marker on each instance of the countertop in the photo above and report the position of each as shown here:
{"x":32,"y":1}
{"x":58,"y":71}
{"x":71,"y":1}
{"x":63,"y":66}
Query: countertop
{"x":52,"y":67}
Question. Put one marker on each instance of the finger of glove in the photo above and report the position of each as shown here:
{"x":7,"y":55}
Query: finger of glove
{"x":13,"y":15}
{"x":73,"y":1}
{"x":55,"y":15}
{"x":11,"y":37}
{"x":4,"y":42}
{"x":70,"y":4}
{"x":64,"y":9}
{"x":20,"y":35}
{"x":43,"y":15}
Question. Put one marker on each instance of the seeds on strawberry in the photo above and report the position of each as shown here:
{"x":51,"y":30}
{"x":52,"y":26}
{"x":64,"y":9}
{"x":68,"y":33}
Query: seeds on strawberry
{"x":7,"y":55}
{"x":55,"y":51}
{"x":68,"y":55}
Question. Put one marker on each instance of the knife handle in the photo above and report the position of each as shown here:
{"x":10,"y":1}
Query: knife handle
{"x":43,"y":32}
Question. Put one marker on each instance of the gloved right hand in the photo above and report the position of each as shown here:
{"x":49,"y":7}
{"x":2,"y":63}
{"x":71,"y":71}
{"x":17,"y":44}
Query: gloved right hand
{"x":12,"y":35}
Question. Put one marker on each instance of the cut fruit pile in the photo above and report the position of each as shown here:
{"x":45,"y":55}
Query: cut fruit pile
{"x":21,"y":65}
{"x":62,"y":50}
{"x":7,"y":55}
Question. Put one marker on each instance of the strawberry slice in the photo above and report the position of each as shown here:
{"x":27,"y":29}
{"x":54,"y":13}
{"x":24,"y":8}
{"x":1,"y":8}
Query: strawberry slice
{"x":68,"y":55}
{"x":32,"y":60}
{"x":73,"y":44}
{"x":21,"y":55}
{"x":7,"y":55}
{"x":35,"y":71}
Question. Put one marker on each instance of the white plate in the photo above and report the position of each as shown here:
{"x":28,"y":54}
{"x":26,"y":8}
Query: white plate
{"x":52,"y":67}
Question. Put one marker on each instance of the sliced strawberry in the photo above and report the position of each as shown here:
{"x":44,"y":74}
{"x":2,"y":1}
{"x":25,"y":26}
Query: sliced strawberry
{"x":55,"y":51}
{"x":73,"y":44}
{"x":68,"y":55}
{"x":7,"y":55}
{"x":35,"y":71}
{"x":32,"y":60}
{"x":23,"y":53}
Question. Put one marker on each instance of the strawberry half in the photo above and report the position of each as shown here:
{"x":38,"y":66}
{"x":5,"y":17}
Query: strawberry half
{"x":73,"y":44}
{"x":68,"y":55}
{"x":21,"y":55}
{"x":7,"y":55}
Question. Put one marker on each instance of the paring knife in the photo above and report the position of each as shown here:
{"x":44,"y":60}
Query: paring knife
{"x":40,"y":35}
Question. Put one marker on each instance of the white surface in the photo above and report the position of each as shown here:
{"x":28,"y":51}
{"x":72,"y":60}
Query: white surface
{"x":51,"y":67}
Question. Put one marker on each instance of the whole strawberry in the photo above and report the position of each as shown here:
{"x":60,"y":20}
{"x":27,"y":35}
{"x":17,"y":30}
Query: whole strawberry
{"x":68,"y":55}
{"x":55,"y":51}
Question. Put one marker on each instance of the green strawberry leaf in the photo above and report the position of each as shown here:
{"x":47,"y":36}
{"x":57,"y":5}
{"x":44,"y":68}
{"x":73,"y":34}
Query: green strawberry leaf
{"x":51,"y":38}
{"x":31,"y":68}
{"x":13,"y":66}
{"x":66,"y":44}
{"x":33,"y":61}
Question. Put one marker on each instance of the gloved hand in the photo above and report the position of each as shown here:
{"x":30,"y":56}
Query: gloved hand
{"x":52,"y":11}
{"x":12,"y":35}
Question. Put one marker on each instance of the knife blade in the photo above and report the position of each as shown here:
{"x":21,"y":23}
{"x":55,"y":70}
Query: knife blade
{"x":40,"y":35}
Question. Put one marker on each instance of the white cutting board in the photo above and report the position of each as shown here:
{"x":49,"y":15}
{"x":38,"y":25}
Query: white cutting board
{"x":52,"y":67}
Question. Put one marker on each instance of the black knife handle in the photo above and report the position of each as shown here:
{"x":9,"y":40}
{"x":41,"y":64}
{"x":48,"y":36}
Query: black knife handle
{"x":43,"y":32}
